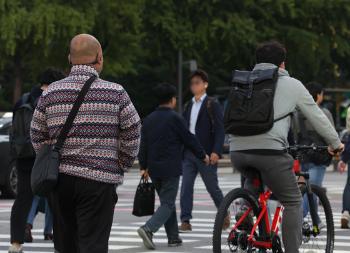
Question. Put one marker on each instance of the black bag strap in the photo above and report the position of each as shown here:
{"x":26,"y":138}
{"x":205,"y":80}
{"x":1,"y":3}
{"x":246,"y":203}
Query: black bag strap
{"x":283,"y":117}
{"x":73,"y":113}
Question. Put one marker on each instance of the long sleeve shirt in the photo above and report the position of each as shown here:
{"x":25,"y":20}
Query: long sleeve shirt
{"x":104,"y":139}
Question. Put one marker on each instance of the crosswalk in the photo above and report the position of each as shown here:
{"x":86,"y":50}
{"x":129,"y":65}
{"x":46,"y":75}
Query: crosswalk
{"x":124,"y":237}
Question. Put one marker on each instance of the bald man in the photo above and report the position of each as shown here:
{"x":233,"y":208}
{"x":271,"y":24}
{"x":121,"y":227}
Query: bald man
{"x":101,"y":145}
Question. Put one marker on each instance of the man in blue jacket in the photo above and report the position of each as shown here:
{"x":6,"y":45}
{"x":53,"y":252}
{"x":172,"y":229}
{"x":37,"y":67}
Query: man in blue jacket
{"x":204,"y":119}
{"x":163,"y":137}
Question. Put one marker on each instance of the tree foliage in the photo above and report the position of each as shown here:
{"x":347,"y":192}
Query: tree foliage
{"x":141,"y":38}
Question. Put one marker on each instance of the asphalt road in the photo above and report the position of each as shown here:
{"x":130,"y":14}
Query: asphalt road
{"x":124,"y":237}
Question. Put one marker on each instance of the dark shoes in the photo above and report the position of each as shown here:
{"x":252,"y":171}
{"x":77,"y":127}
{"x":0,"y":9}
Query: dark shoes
{"x":28,"y":233}
{"x":175,"y":242}
{"x":147,"y":237}
{"x":185,"y":227}
{"x":48,"y":237}
{"x":227,"y":221}
{"x":345,"y":218}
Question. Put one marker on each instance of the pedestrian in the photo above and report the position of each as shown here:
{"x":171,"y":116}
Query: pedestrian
{"x":101,"y":145}
{"x":39,"y":202}
{"x":345,"y":162}
{"x":313,"y":162}
{"x":204,"y":118}
{"x":24,"y":155}
{"x":163,"y":136}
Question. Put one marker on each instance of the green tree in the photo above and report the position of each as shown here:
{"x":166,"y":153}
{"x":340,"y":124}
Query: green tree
{"x":36,"y":33}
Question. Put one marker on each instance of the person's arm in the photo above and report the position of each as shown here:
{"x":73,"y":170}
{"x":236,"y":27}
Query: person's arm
{"x":143,"y":149}
{"x":219,"y":131}
{"x":39,"y":130}
{"x":129,"y":132}
{"x":316,"y":117}
{"x":329,"y":116}
{"x":189,"y":140}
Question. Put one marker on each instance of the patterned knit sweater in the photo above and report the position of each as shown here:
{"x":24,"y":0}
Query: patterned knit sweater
{"x":104,"y":139}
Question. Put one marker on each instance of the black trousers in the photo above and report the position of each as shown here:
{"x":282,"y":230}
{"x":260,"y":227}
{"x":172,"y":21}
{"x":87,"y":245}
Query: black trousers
{"x":23,"y":202}
{"x":57,"y":223}
{"x":86,"y":210}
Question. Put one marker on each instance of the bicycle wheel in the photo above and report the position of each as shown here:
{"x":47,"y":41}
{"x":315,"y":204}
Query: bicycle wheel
{"x":322,"y":241}
{"x":236,"y":204}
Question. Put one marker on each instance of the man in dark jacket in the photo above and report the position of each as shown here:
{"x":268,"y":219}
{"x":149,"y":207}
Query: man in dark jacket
{"x":163,"y":137}
{"x":204,"y":118}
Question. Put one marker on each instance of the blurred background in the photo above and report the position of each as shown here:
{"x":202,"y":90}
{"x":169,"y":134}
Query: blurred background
{"x":150,"y":41}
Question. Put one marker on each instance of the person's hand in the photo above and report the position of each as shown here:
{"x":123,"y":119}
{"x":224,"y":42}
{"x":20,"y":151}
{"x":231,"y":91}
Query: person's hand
{"x":341,"y":167}
{"x":144,"y":173}
{"x":336,"y":151}
{"x":206,"y":160}
{"x":214,"y":158}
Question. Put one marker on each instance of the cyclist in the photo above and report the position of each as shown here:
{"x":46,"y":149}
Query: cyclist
{"x":266,"y":152}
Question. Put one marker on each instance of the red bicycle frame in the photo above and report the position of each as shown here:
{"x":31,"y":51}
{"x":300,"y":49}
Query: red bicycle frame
{"x":263,"y":216}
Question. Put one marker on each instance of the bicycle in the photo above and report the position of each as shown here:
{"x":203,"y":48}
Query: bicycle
{"x":253,"y":230}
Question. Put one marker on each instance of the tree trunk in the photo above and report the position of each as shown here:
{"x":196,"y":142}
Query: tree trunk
{"x":17,"y":92}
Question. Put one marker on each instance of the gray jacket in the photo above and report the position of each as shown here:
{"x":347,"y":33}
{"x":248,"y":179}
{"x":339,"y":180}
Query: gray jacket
{"x":290,"y":95}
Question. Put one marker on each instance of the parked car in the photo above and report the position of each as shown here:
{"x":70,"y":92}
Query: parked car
{"x":8,"y":171}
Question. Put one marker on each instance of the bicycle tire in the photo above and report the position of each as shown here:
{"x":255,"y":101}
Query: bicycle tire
{"x":322,"y":196}
{"x":222,"y":212}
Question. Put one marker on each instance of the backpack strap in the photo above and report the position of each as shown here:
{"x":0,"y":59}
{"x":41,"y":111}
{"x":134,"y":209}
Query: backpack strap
{"x":283,"y":117}
{"x":73,"y":113}
{"x":210,"y":110}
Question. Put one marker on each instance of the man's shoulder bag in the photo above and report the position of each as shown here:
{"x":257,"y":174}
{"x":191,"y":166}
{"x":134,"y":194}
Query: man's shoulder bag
{"x":46,"y":167}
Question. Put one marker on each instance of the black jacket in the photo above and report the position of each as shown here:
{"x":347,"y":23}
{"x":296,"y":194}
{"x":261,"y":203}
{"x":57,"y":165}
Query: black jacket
{"x":163,"y":137}
{"x":209,"y":132}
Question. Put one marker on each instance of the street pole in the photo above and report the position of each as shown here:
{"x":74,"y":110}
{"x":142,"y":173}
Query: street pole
{"x":180,"y":98}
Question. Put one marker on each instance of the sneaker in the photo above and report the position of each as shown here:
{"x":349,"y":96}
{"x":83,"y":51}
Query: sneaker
{"x":28,"y":233}
{"x":248,"y":223}
{"x":345,"y":217}
{"x":185,"y":227}
{"x":147,"y":237}
{"x":175,"y":242}
{"x":15,"y":249}
{"x":227,"y":221}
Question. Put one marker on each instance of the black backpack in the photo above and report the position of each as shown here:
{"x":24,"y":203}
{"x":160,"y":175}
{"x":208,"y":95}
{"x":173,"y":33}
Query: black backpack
{"x":20,"y":134}
{"x":250,"y":104}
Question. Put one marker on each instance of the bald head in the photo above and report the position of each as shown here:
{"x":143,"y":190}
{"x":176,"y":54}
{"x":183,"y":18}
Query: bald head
{"x":85,"y":49}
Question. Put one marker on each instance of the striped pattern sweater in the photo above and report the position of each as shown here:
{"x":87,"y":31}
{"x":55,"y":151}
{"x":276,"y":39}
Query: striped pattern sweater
{"x":104,"y":139}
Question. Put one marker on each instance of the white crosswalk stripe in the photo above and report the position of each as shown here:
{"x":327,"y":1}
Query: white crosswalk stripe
{"x":124,"y":237}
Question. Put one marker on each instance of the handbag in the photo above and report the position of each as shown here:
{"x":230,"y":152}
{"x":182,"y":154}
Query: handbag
{"x":46,"y":166}
{"x":144,"y":200}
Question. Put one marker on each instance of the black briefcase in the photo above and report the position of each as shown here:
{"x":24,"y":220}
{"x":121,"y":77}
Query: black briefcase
{"x":44,"y":175}
{"x":144,"y":201}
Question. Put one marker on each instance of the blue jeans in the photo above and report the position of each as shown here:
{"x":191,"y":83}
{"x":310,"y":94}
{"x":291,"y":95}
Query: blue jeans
{"x":346,"y":195}
{"x":316,"y":173}
{"x":48,"y":215}
{"x":191,"y":167}
{"x":166,"y":213}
